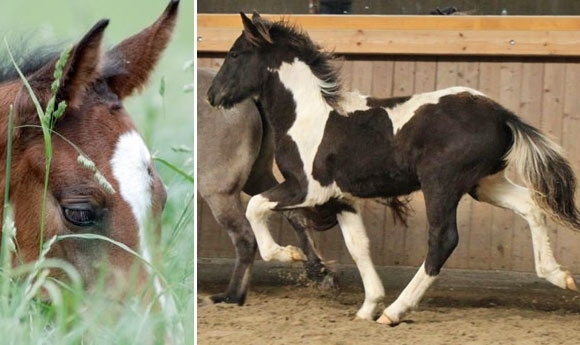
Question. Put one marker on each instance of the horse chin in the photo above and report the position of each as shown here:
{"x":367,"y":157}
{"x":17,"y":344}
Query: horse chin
{"x":221,"y":100}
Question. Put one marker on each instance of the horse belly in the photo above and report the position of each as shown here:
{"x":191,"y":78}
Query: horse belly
{"x":383,"y":185}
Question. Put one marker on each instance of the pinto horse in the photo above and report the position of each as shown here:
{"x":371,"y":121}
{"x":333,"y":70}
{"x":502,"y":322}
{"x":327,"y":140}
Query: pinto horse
{"x":235,"y":153}
{"x":94,"y":84}
{"x":340,"y":146}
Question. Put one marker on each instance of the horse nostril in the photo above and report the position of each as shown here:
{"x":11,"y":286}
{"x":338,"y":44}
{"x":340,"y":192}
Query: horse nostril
{"x":211,"y":98}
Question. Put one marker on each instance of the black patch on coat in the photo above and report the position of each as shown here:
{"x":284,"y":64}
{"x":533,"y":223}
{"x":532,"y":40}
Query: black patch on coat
{"x":360,"y":153}
{"x":464,"y":137}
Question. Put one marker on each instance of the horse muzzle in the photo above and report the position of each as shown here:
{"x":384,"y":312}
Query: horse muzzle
{"x":219,"y":99}
{"x":214,"y":99}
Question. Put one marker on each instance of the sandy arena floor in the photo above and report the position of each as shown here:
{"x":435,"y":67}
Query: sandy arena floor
{"x":306,"y":315}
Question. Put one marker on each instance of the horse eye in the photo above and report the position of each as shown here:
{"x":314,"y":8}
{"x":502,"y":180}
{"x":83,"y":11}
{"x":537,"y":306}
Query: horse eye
{"x":233,"y":54}
{"x":82,"y":215}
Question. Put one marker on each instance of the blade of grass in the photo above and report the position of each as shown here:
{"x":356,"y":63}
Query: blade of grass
{"x":176,"y":169}
{"x":46,"y":121}
{"x":7,"y":225}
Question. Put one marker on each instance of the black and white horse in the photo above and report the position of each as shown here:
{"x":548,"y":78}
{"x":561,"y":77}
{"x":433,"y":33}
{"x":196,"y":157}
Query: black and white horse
{"x":337,"y":146}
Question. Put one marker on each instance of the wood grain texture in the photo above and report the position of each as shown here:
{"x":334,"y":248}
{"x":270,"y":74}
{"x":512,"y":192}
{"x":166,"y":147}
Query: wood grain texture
{"x":541,"y":90}
{"x":420,"y":35}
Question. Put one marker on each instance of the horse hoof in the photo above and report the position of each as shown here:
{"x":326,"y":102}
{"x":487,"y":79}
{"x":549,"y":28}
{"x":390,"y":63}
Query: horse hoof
{"x":385,"y":320}
{"x":205,"y":301}
{"x":328,"y":283}
{"x":358,"y":318}
{"x":224,"y":298}
{"x":296,"y":253}
{"x":571,"y":283}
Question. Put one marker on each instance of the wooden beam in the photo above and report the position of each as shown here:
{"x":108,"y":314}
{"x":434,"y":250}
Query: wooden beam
{"x":422,"y":35}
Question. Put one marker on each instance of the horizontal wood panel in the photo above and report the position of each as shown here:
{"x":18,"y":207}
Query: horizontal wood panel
{"x":439,"y":35}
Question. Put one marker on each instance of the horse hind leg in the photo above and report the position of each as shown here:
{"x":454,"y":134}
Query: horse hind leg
{"x":229,"y":213}
{"x":499,"y":191}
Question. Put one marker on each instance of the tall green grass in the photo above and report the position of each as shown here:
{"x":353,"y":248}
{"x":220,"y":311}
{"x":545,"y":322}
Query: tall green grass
{"x":75,"y":316}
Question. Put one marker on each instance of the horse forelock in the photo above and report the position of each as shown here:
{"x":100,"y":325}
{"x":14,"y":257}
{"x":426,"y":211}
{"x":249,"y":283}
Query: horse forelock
{"x":31,"y":59}
{"x":28,"y":59}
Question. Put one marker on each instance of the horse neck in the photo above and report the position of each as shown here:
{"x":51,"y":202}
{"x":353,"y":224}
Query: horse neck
{"x":306,"y":102}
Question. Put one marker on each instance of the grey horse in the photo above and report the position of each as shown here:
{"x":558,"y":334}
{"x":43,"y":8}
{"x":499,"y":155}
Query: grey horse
{"x":235,"y":150}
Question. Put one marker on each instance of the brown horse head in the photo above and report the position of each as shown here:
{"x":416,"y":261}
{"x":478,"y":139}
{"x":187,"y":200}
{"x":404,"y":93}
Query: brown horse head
{"x":95,"y":125}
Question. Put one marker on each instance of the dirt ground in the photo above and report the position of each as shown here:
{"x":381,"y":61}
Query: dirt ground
{"x":307,"y":315}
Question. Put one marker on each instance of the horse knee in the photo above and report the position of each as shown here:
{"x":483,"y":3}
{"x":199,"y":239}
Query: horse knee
{"x":257,"y":209}
{"x":246,"y":248}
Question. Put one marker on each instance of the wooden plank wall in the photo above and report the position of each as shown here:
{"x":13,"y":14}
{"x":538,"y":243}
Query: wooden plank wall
{"x":544,"y":91}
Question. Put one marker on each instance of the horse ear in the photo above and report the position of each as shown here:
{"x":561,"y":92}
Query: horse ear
{"x":263,"y":26}
{"x":257,"y":30}
{"x":135,"y":57}
{"x":255,"y":16}
{"x":79,"y":71}
{"x":82,"y":66}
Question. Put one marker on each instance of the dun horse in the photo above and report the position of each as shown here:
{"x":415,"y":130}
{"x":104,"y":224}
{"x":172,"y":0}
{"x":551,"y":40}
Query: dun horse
{"x":235,"y":152}
{"x":340,"y":146}
{"x":94,"y":85}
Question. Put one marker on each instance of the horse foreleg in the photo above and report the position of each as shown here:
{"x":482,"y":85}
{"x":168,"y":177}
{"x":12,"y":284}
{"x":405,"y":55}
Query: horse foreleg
{"x":262,"y":179}
{"x":314,"y":266}
{"x":357,"y":242}
{"x":258,"y":212}
{"x":441,"y":208}
{"x":228,"y":211}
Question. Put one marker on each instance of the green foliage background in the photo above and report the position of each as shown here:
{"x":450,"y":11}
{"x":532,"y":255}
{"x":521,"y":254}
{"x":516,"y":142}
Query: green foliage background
{"x":167,"y":124}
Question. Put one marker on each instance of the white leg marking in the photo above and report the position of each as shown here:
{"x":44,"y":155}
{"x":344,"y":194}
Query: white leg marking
{"x":130,"y":164}
{"x":409,"y":298}
{"x":258,"y":212}
{"x":357,"y":242}
{"x":498,"y":190}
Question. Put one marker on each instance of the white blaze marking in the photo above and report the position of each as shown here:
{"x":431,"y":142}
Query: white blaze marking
{"x":130,"y":165}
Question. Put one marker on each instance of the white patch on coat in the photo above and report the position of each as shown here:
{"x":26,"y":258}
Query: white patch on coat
{"x":402,"y":113}
{"x":353,"y":101}
{"x":312,"y":113}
